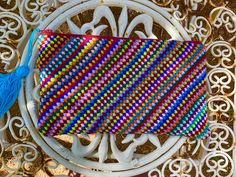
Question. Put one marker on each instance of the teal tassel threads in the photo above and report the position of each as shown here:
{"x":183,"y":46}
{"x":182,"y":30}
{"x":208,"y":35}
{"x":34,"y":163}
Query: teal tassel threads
{"x":10,"y":84}
{"x":9,"y":87}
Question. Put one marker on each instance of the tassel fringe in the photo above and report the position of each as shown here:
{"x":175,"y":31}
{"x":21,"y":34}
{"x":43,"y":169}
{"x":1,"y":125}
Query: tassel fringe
{"x":10,"y":84}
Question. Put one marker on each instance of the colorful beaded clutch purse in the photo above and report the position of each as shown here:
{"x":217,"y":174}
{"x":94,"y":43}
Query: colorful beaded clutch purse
{"x":91,"y":84}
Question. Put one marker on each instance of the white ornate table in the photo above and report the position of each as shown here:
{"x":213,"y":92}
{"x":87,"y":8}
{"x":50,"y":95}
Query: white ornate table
{"x":22,"y":147}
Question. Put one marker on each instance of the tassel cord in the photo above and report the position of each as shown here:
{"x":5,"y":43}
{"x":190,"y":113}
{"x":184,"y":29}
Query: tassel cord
{"x":10,"y":84}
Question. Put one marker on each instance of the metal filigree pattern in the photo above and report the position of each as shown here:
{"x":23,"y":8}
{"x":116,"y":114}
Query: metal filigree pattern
{"x":21,"y":146}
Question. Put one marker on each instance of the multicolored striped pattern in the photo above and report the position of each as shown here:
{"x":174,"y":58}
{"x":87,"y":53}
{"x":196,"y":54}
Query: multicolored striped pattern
{"x":92,"y":84}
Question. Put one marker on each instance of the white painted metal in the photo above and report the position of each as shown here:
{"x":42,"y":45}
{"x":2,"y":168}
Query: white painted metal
{"x":222,"y":76}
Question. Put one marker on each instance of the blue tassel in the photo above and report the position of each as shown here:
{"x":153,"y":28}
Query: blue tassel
{"x":10,"y":84}
{"x":9,"y":87}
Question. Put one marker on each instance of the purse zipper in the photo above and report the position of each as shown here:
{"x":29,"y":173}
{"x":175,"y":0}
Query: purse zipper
{"x":47,"y":31}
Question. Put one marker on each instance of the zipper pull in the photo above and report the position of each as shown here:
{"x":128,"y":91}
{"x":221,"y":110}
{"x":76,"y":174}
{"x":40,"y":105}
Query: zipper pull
{"x":47,"y":31}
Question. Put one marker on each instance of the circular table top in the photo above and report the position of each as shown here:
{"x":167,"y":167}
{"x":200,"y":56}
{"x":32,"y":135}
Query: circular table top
{"x":106,"y":155}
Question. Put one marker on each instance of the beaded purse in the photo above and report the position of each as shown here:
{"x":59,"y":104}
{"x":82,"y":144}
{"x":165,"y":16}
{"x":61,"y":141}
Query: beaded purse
{"x":91,"y":84}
